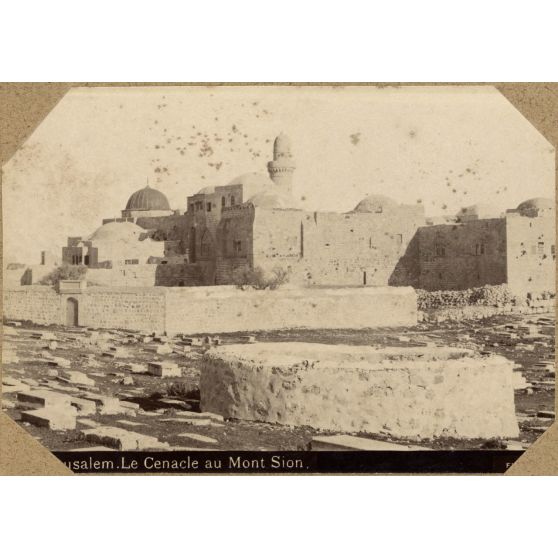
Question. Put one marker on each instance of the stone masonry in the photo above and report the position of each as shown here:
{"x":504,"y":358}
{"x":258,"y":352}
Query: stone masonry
{"x":417,"y":392}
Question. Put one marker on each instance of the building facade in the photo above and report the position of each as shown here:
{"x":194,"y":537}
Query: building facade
{"x":253,"y":222}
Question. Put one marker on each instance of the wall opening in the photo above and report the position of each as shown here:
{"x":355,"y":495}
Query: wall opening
{"x":364,"y":277}
{"x":72,"y":312}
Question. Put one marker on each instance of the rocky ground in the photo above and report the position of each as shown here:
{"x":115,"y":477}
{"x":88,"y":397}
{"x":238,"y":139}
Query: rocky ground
{"x":115,"y":389}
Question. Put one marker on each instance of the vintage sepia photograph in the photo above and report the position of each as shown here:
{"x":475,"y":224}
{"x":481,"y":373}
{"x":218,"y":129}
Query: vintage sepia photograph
{"x":349,"y":269}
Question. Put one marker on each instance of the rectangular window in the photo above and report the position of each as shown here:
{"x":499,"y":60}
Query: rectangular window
{"x":237,"y":245}
{"x":440,"y":250}
{"x":86,"y":260}
{"x":479,"y":249}
{"x":192,"y":207}
{"x":540,"y":248}
{"x":131,"y":262}
{"x":208,"y":206}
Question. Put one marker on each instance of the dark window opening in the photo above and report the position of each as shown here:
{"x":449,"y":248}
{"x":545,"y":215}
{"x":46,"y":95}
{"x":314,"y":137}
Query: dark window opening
{"x":208,"y":206}
{"x":440,"y":250}
{"x":223,"y":201}
{"x":237,"y":246}
{"x":86,"y":260}
{"x":479,"y":249}
{"x":540,"y":248}
{"x":131,"y":262}
{"x":232,"y":200}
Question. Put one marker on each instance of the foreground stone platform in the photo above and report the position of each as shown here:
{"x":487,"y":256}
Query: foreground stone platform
{"x":404,"y":392}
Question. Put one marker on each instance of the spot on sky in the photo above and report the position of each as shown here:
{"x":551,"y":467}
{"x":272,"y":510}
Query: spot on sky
{"x":355,"y":138}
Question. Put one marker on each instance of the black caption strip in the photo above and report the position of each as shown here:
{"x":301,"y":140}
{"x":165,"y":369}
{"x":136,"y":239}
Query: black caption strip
{"x":290,"y":462}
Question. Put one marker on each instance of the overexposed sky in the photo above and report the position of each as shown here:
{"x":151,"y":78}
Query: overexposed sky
{"x":446,"y":146}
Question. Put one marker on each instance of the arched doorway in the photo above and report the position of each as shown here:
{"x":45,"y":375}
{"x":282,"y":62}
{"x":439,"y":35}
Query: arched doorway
{"x":72,"y":317}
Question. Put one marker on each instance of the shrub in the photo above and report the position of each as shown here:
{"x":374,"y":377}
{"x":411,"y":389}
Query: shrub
{"x":260,"y":279}
{"x":63,"y":272}
{"x":182,"y":390}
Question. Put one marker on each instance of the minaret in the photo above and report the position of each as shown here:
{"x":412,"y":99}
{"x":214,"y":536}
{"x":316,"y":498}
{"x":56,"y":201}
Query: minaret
{"x":282,"y":167}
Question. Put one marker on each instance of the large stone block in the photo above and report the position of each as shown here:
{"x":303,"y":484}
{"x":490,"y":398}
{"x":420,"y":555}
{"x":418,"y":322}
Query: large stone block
{"x":51,"y":417}
{"x":164,"y":369}
{"x":424,"y":392}
{"x":122,"y":439}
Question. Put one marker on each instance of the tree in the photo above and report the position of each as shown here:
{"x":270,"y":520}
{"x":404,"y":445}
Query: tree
{"x":63,"y":272}
{"x":260,"y":279}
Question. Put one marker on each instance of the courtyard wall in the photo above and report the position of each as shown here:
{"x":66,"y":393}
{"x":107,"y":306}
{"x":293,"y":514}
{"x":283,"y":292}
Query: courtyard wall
{"x":216,"y":309}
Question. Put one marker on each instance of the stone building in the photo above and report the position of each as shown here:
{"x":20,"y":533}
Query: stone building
{"x":518,"y":249}
{"x":367,"y":246}
{"x":253,"y":222}
{"x":113,"y":244}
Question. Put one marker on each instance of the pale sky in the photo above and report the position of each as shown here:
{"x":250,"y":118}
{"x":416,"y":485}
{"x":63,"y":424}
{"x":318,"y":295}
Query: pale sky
{"x":447,"y":146}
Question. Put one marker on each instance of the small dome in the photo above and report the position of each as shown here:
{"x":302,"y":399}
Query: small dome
{"x":478,"y":211}
{"x":271,"y":200}
{"x":117,"y":231}
{"x":252,"y":180}
{"x":148,"y":199}
{"x":375,"y":204}
{"x":536,"y":206}
{"x":206,"y":191}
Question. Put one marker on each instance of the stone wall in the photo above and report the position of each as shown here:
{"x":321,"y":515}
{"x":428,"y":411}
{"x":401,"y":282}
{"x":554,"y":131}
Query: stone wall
{"x":126,"y":308}
{"x":531,"y":262}
{"x":37,"y":304}
{"x":425,"y":393}
{"x":322,"y":248}
{"x":217,"y":309}
{"x":462,"y":255}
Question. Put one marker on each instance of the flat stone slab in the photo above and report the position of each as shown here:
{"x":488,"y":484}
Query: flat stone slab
{"x":199,"y":438}
{"x":355,"y":443}
{"x":59,"y":361}
{"x":12,"y":385}
{"x":164,"y":369}
{"x":43,"y":398}
{"x":122,"y":439}
{"x":87,"y":422}
{"x":136,"y":368}
{"x":130,"y":423}
{"x":74,"y":377}
{"x":84,"y":407}
{"x":193,"y":414}
{"x":52,"y":418}
{"x":191,"y":421}
{"x":402,"y":392}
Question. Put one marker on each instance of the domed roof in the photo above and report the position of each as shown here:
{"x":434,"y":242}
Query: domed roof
{"x":147,"y":199}
{"x":207,"y":190}
{"x":532,"y":207}
{"x":271,"y":200}
{"x":252,"y":180}
{"x":117,"y":231}
{"x":478,"y":211}
{"x":374,"y":204}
